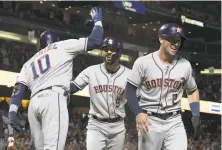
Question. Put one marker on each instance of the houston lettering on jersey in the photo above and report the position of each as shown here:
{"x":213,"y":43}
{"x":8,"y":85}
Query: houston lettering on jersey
{"x":166,"y":82}
{"x":108,"y":88}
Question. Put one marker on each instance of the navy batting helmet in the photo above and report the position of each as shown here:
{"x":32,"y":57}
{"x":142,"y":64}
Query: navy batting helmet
{"x":172,"y":30}
{"x":48,"y":37}
{"x":112,"y":42}
{"x":113,"y":45}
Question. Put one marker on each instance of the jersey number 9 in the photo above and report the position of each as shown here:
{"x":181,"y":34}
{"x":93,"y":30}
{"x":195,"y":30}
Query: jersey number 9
{"x":40,"y":66}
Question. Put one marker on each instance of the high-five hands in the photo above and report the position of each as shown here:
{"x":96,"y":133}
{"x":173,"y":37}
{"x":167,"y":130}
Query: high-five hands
{"x":96,"y":14}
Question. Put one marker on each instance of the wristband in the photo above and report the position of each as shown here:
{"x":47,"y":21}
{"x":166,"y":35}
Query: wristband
{"x":195,"y":108}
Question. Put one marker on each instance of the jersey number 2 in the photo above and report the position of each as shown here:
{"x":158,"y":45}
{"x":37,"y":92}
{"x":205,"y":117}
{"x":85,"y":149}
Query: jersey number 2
{"x":174,"y":98}
{"x":40,"y":66}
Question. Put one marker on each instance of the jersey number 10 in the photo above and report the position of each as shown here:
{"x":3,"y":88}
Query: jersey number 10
{"x":39,"y":66}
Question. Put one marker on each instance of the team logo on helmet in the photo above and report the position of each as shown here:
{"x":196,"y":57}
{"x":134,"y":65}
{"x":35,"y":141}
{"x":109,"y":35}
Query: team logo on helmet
{"x":179,"y":29}
{"x":110,"y":41}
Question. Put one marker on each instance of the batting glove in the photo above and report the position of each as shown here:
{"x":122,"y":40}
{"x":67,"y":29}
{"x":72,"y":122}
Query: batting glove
{"x":96,"y":14}
{"x":196,"y":122}
{"x":11,"y":141}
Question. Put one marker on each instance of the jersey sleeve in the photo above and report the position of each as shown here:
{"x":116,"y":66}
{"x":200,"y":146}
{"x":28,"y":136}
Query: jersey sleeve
{"x":82,"y":79}
{"x":190,"y":83}
{"x":136,"y":74}
{"x":74,"y":46}
{"x":23,"y":76}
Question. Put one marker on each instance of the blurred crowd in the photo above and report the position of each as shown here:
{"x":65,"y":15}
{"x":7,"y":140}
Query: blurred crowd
{"x":14,"y":54}
{"x":72,"y":20}
{"x":30,"y":9}
{"x":180,"y":8}
{"x":210,"y":88}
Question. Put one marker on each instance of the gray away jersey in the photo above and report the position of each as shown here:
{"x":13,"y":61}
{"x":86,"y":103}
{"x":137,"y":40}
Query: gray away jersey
{"x":51,"y":66}
{"x":161,"y":85}
{"x":106,"y":90}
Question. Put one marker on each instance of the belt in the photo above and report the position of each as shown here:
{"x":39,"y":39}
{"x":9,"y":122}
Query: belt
{"x":164,"y":116}
{"x":109,"y":120}
{"x":66,"y":93}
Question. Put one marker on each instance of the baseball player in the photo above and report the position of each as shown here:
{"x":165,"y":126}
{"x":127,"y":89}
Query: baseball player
{"x":106,"y":129}
{"x":48,"y":74}
{"x":162,"y":77}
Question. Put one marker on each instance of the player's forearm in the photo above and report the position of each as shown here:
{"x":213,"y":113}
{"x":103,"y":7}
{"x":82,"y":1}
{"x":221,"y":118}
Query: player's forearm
{"x":10,"y":130}
{"x":194,"y":100}
{"x":17,"y":95}
{"x":96,"y":37}
{"x":193,"y":96}
{"x":132,"y":99}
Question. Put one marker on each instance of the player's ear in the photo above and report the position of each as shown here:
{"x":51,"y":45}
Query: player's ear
{"x":160,"y":40}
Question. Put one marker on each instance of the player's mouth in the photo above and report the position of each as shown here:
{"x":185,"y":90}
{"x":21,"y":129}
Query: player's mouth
{"x":173,"y":47}
{"x":108,"y":58}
